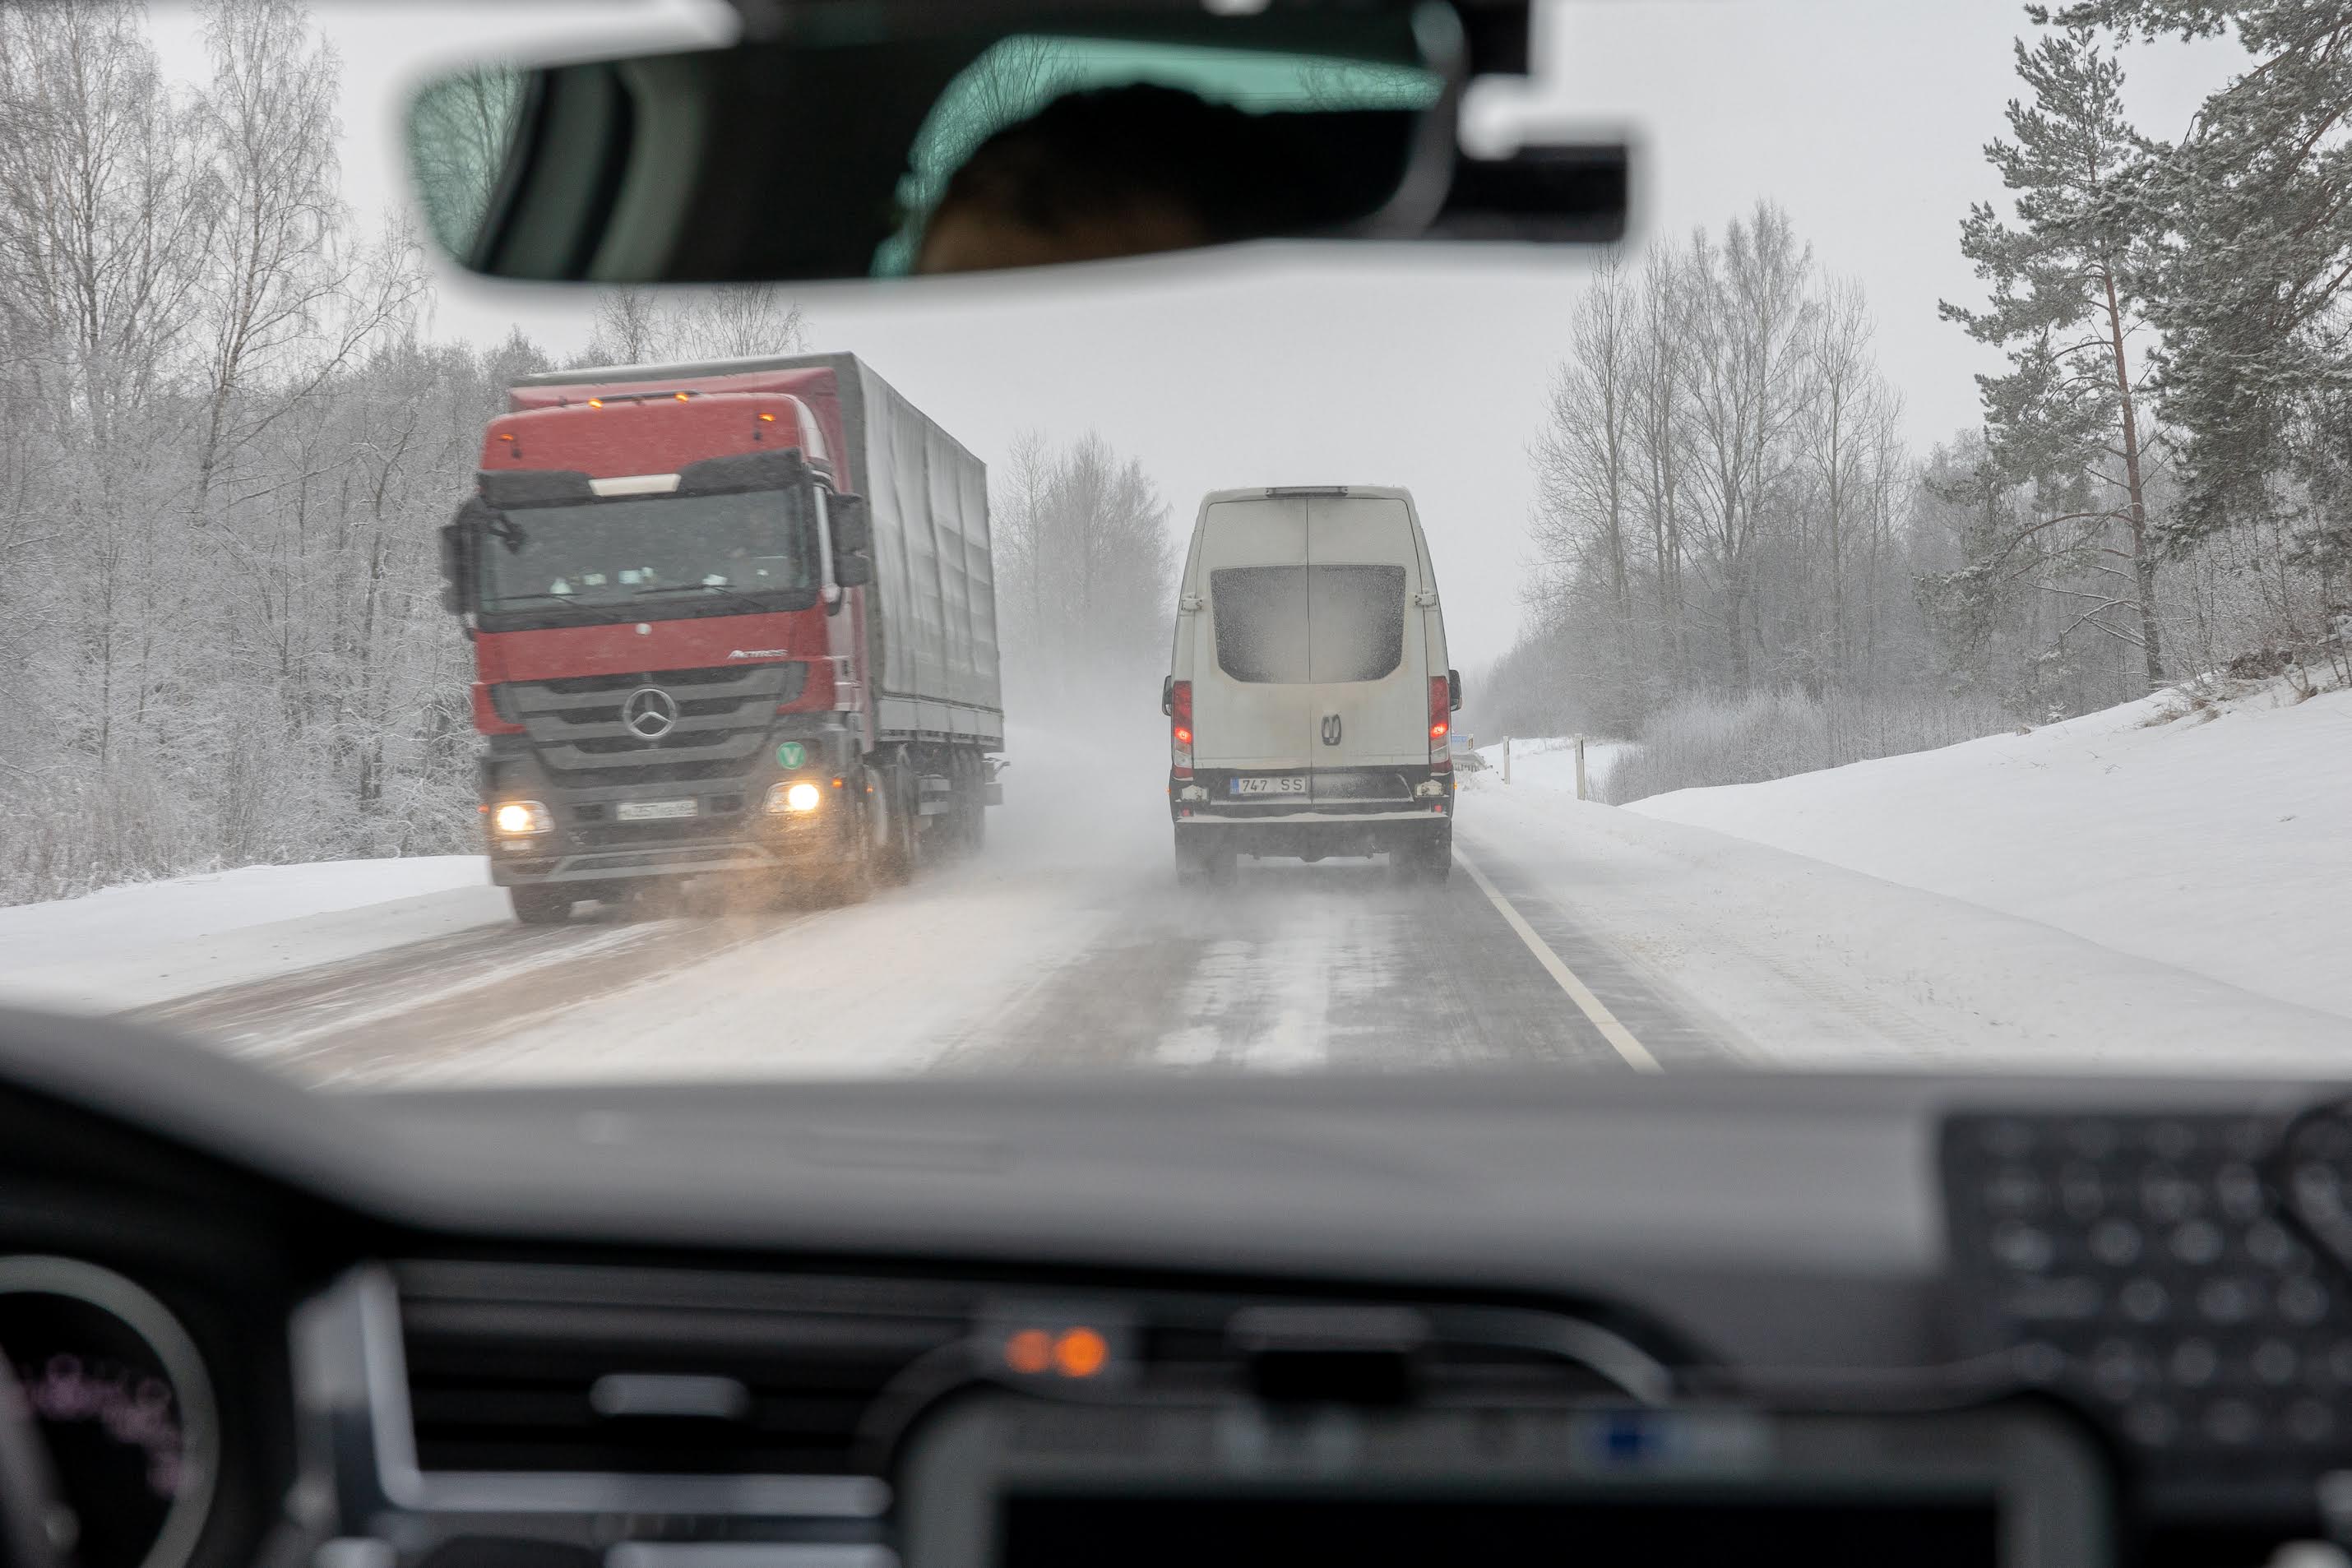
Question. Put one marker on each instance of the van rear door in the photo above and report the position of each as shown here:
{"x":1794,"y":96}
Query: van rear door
{"x":1250,"y":693}
{"x":1367,"y":657}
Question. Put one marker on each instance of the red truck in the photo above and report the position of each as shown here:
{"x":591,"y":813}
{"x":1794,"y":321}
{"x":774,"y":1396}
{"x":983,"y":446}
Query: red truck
{"x":729,"y":620}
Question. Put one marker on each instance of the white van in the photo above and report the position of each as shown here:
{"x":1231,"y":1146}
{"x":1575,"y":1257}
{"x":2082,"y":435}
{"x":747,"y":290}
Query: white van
{"x":1309,"y":699}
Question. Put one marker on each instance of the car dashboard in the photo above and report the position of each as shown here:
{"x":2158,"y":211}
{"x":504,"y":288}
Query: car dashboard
{"x":856,"y":1325}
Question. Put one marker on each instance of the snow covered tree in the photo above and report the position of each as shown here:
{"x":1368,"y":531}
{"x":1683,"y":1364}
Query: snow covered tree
{"x":2065,"y":304}
{"x":2252,"y":214}
{"x":1085,"y":572}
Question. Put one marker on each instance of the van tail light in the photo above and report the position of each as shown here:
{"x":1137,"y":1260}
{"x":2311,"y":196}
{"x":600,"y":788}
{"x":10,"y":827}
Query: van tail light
{"x":1180,"y":730}
{"x":1441,"y":722}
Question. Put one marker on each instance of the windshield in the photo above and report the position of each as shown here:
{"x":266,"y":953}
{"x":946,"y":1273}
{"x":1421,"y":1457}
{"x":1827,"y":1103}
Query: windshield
{"x":617,"y":552}
{"x":1893,"y":610}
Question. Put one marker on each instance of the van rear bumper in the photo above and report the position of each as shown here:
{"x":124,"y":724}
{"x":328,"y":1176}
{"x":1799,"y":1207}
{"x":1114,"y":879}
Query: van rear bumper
{"x":1211,"y":816}
{"x":1314,"y":835}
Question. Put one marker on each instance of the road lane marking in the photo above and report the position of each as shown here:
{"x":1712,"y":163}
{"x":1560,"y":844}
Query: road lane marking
{"x":1636,"y":1055}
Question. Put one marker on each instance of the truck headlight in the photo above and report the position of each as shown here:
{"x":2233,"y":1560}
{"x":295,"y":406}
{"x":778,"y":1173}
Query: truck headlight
{"x":522,"y":817}
{"x":797,"y":797}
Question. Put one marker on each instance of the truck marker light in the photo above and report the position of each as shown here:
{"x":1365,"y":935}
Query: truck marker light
{"x":681,"y":396}
{"x":595,"y":402}
{"x":767,"y":419}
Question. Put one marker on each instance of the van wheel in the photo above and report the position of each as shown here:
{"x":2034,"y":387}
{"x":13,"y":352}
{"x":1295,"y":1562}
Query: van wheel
{"x":1425,"y":858}
{"x":540,"y":905}
{"x":1192,"y":864}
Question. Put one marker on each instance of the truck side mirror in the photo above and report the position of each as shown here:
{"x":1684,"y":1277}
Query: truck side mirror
{"x":1454,"y":691}
{"x":853,"y":570}
{"x":1167,"y":696}
{"x":460,"y":542}
{"x":853,"y":532}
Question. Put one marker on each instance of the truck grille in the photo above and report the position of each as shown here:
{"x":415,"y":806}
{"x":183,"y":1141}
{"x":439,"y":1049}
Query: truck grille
{"x":723,"y":719}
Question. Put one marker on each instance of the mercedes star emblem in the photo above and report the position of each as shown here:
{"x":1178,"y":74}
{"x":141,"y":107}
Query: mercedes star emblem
{"x":649,"y":713}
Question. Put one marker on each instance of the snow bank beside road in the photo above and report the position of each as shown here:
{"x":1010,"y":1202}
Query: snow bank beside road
{"x":1550,"y":763}
{"x":1792,"y":962}
{"x":2220,"y":841}
{"x":150,"y":941}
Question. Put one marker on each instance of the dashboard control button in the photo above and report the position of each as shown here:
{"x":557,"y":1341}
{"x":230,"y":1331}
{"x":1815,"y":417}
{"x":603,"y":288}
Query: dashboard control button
{"x":2151,"y":1425}
{"x":2228,"y":1302}
{"x":2196,"y":1242}
{"x":2194,"y":1364}
{"x":2302,"y":1302}
{"x":2142,"y":1300}
{"x":2275,"y":1362}
{"x":2310,"y":1421}
{"x":2232,"y":1422}
{"x":2115,"y":1243}
{"x":2024,"y":1247}
{"x":2013,"y":1189}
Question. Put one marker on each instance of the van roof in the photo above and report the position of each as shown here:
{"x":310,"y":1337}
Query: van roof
{"x":1354,"y":492}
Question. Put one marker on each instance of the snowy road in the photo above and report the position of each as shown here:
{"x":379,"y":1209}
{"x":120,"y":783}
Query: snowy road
{"x":1293,"y":967}
{"x":1572,"y":933}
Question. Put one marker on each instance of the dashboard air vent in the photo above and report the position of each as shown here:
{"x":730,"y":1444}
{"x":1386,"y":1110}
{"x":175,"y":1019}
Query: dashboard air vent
{"x":553,"y":1368}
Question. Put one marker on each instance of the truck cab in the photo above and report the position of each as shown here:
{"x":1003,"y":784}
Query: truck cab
{"x":676,"y":599}
{"x":1309,"y":699}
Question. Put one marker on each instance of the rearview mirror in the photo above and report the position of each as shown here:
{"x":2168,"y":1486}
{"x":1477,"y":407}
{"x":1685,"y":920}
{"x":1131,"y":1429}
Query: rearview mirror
{"x":922,"y":140}
{"x":1167,"y":696}
{"x":1454,"y":691}
{"x":853,"y":570}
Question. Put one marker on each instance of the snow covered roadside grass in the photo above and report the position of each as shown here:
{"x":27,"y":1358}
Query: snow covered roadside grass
{"x":2217,"y":839}
{"x":131,"y":946}
{"x":1797,"y":963}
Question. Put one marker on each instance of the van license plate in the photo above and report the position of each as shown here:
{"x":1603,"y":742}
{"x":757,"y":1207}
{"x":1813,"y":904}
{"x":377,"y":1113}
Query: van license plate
{"x":651,"y":811}
{"x":1291,"y":785}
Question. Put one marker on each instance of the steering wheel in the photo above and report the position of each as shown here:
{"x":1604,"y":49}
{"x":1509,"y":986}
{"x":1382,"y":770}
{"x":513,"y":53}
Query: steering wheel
{"x":27,"y":1500}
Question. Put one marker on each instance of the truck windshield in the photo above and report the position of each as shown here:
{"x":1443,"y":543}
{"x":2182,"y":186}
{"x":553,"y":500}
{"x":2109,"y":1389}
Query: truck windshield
{"x":599,"y":553}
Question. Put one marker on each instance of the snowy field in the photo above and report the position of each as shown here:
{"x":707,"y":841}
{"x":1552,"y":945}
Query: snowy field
{"x":2217,"y":839}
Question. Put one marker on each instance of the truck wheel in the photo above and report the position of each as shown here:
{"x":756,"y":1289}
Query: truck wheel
{"x":850,"y":878}
{"x":892,"y":805}
{"x":540,"y":905}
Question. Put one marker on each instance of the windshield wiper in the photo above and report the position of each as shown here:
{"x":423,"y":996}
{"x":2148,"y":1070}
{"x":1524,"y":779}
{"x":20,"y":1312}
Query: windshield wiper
{"x":734,"y":594}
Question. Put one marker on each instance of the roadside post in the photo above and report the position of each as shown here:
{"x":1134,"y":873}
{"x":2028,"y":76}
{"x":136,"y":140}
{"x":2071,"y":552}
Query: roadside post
{"x":1579,"y":768}
{"x":1506,"y":759}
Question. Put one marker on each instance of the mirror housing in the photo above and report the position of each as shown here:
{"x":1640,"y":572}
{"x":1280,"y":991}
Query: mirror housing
{"x":853,"y":570}
{"x":461,"y":544}
{"x":1454,"y":691}
{"x":1167,"y":696}
{"x":852,"y":527}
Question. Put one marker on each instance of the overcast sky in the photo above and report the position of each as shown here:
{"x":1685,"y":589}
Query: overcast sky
{"x":1865,"y":118}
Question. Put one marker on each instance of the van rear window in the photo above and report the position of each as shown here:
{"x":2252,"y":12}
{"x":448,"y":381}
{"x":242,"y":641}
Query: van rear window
{"x":1355,"y":619}
{"x":1293,"y":624}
